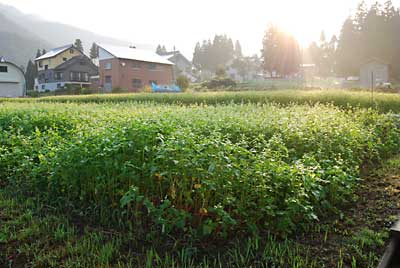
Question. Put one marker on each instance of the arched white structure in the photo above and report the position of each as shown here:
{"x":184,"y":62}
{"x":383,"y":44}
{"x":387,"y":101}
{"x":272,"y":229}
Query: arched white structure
{"x":12,"y":80}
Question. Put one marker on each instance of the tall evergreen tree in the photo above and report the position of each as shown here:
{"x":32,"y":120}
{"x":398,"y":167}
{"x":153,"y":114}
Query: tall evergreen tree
{"x":238,"y":49}
{"x":94,"y":51}
{"x":78,"y":44}
{"x":30,"y":75}
{"x":38,"y":53}
{"x":347,"y":52}
{"x":159,"y":50}
{"x":44,"y":51}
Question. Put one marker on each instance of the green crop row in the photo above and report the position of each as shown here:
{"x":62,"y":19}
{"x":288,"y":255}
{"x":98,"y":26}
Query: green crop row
{"x":191,"y":170}
{"x":383,"y":102}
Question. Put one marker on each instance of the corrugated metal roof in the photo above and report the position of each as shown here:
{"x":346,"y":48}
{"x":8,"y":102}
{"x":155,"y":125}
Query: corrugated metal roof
{"x":54,"y":52}
{"x":134,"y":54}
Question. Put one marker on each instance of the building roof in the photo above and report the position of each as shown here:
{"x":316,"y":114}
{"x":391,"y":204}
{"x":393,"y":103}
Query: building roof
{"x":54,"y":52}
{"x":75,"y":60}
{"x":173,"y":54}
{"x":4,"y":61}
{"x":134,"y":54}
{"x":375,"y":60}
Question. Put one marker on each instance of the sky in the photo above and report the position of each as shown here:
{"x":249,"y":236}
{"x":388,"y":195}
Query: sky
{"x":182,"y":23}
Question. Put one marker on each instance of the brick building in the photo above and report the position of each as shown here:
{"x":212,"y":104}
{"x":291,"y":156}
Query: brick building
{"x":132,"y":69}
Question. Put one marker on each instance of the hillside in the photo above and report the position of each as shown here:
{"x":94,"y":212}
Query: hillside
{"x":18,"y":44}
{"x":21,"y":35}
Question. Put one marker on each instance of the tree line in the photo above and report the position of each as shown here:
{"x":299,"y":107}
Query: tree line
{"x":371,"y":33}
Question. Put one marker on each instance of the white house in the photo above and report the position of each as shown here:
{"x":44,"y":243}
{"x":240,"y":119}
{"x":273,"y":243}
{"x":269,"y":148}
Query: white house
{"x":373,"y":73}
{"x":12,"y":80}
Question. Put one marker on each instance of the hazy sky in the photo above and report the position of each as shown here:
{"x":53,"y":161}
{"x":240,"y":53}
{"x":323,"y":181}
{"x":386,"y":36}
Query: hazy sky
{"x":182,"y":23}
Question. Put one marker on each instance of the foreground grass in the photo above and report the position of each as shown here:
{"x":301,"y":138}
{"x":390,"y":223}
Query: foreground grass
{"x":38,"y":236}
{"x":384,"y":102}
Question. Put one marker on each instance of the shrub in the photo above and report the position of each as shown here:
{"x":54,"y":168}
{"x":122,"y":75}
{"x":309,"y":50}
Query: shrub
{"x":183,"y":82}
{"x":219,"y":83}
{"x":86,"y":91}
{"x":119,"y":90}
{"x":32,"y":93}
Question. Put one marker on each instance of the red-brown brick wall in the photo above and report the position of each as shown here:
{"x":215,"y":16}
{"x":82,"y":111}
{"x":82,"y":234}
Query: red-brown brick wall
{"x":123,"y":75}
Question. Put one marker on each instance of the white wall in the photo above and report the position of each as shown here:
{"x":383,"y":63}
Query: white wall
{"x":12,"y":83}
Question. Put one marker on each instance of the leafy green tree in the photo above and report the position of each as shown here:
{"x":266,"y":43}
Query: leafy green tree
{"x":281,"y":52}
{"x":183,"y":82}
{"x":220,"y":72}
{"x":210,"y":55}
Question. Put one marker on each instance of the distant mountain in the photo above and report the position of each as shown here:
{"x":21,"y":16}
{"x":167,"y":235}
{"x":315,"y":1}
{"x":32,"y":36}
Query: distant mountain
{"x":27,"y":33}
{"x":18,"y":44}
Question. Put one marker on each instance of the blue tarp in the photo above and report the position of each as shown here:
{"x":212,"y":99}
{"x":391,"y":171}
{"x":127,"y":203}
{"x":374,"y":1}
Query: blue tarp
{"x":165,"y":88}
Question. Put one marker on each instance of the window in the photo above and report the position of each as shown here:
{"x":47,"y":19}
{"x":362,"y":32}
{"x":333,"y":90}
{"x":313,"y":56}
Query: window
{"x":137,"y":83}
{"x":40,"y":64}
{"x":152,"y":66}
{"x":85,"y":77}
{"x":108,"y":79}
{"x":71,"y":51}
{"x":58,"y":86}
{"x":75,"y":76}
{"x":152,"y":81}
{"x":82,"y":63}
{"x":136,"y":65}
{"x":64,"y":59}
{"x":108,"y":66}
{"x":58,"y":76}
{"x":46,"y":67}
{"x":43,"y":87}
{"x":3,"y":69}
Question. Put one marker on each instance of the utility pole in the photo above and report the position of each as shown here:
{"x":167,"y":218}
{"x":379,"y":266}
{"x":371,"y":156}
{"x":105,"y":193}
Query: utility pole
{"x":372,"y":86}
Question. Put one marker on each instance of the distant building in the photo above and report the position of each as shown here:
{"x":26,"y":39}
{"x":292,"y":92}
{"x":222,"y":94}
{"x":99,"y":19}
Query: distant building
{"x":12,"y":80}
{"x":373,"y":73}
{"x":62,"y":67}
{"x":132,"y":69}
{"x":182,"y":66}
{"x":244,"y":68}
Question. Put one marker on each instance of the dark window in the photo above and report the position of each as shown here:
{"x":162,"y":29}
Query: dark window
{"x":58,"y":76}
{"x":3,"y":69}
{"x":152,"y":81}
{"x":58,"y":85}
{"x":46,"y":67}
{"x":40,"y":64}
{"x":64,"y":59}
{"x":71,"y":51}
{"x":75,"y":76}
{"x":82,"y":63}
{"x":136,"y":65}
{"x":152,"y":66}
{"x":84,"y":77}
{"x":108,"y":79}
{"x":108,"y":66}
{"x":43,"y":87}
{"x":137,"y":83}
